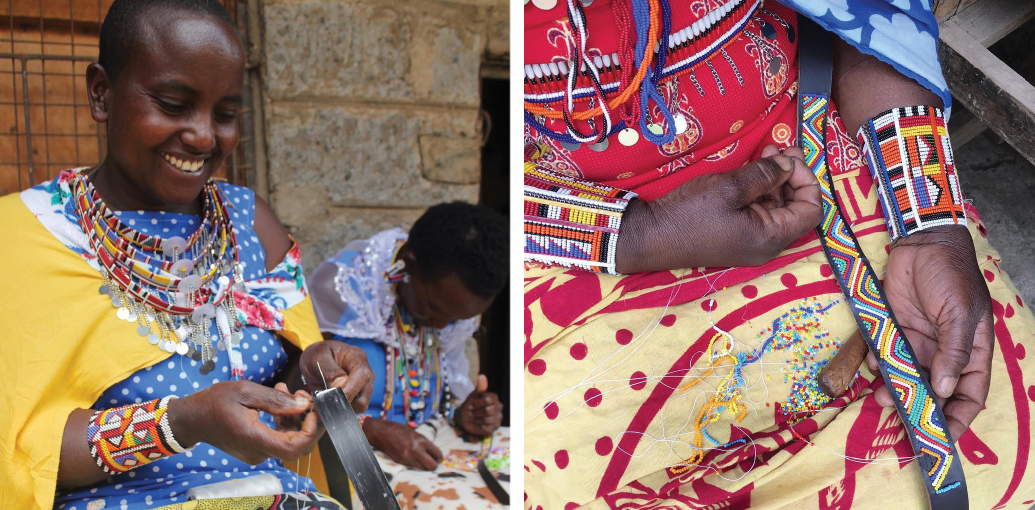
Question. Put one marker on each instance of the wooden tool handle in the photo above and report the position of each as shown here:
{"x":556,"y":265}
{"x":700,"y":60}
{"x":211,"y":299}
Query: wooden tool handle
{"x":835,"y":377}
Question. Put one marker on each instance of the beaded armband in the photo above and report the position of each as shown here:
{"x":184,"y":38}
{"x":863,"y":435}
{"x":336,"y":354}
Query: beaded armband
{"x":908,"y":152}
{"x":130,"y":436}
{"x":570,"y":222}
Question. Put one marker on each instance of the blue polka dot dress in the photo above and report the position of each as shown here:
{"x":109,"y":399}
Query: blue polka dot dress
{"x":166,"y":481}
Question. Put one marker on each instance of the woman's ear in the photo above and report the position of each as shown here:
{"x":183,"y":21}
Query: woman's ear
{"x":412,"y":266}
{"x":98,"y":88}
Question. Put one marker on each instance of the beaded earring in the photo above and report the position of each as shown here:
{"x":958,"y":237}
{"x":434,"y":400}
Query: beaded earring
{"x":396,"y":273}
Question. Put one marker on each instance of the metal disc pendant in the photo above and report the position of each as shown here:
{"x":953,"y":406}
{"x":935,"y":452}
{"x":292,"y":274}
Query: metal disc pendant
{"x":175,"y":243}
{"x":774,"y":66}
{"x":182,"y":348}
{"x":221,"y":345}
{"x":161,"y":344}
{"x":545,"y":4}
{"x":681,"y":124}
{"x":790,"y":32}
{"x":586,"y":3}
{"x":768,"y":30}
{"x":656,"y":129}
{"x":153,"y":338}
{"x":132,"y":317}
{"x":223,"y":281}
{"x":194,"y":354}
{"x":207,"y":367}
{"x":143,"y":330}
{"x":571,"y":147}
{"x":600,"y":147}
{"x":182,"y":268}
{"x":103,"y":289}
{"x":116,"y":301}
{"x":203,"y":312}
{"x":191,"y":283}
{"x":628,"y":137}
{"x":122,"y":313}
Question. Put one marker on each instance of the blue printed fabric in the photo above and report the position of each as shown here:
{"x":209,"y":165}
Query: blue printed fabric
{"x":902,"y":33}
{"x":166,"y":481}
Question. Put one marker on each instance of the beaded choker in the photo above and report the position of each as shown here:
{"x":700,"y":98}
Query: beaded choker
{"x":174,"y":289}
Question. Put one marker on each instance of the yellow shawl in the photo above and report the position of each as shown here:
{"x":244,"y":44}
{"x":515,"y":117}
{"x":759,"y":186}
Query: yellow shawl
{"x":60,"y":348}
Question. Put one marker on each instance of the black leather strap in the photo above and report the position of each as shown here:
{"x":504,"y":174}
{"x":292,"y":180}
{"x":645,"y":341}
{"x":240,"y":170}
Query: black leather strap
{"x":493,"y":484}
{"x":924,"y":423}
{"x":354,"y":451}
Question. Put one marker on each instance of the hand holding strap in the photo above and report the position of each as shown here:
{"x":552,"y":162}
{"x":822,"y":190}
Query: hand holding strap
{"x":914,"y":399}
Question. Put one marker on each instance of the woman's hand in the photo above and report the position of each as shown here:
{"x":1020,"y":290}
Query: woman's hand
{"x":482,"y":412}
{"x":226,"y":415}
{"x":744,"y":217}
{"x":402,"y":444}
{"x":942,"y":303}
{"x":342,"y":366}
{"x":297,"y":421}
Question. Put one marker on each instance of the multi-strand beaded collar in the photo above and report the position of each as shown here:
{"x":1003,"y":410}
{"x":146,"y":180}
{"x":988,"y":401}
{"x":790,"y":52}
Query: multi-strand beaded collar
{"x":410,"y":363}
{"x":174,"y":289}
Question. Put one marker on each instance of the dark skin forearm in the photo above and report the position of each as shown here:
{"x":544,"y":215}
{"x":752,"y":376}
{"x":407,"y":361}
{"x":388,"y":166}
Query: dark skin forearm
{"x":863,"y":87}
{"x":77,"y":467}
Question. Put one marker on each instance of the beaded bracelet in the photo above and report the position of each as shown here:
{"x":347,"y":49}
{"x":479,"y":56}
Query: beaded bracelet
{"x":570,"y":222}
{"x":908,"y":152}
{"x":130,"y":436}
{"x":362,"y":419}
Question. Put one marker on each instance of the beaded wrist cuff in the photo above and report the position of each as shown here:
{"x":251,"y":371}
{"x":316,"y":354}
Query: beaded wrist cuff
{"x":130,"y":436}
{"x":570,"y":222}
{"x":908,"y":152}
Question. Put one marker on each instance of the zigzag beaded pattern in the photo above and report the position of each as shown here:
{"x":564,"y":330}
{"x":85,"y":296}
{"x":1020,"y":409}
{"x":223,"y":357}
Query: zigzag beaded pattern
{"x":130,"y":436}
{"x":909,"y":155}
{"x":570,"y":222}
{"x":921,"y":414}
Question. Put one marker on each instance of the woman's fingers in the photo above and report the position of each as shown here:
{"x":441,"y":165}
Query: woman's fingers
{"x":272,"y":401}
{"x":351,"y":372}
{"x":433,"y":450}
{"x":770,"y":150}
{"x":759,"y":178}
{"x":426,"y":453}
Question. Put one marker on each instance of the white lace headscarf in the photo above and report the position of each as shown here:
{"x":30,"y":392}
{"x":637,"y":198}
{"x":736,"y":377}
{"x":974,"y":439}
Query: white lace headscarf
{"x":353,"y":299}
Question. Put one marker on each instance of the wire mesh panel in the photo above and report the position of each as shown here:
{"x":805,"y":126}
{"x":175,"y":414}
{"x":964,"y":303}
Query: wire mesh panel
{"x":45,"y":122}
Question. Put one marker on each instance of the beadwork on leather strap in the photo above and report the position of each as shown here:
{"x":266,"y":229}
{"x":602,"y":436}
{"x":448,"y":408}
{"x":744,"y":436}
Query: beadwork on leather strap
{"x":899,"y":366}
{"x":908,"y":152}
{"x":570,"y":222}
{"x":130,"y":436}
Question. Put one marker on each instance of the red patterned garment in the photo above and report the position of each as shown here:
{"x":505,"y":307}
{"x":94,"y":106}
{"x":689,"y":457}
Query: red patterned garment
{"x":725,"y":128}
{"x":619,"y":369}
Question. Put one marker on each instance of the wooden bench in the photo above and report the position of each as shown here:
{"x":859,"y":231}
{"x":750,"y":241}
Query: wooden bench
{"x":998,"y":97}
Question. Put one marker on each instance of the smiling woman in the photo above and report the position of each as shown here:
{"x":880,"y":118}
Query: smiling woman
{"x":169,"y":126}
{"x":201,"y":296}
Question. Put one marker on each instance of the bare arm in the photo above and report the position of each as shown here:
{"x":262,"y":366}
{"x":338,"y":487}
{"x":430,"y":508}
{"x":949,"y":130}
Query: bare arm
{"x":932,"y":280}
{"x":271,"y":233}
{"x":864,"y":87}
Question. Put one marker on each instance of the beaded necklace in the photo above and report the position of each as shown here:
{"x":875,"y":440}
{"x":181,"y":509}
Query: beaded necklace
{"x":174,"y":289}
{"x":415,"y":356}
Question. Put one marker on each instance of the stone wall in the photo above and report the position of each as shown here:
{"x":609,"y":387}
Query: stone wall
{"x":372,"y":111}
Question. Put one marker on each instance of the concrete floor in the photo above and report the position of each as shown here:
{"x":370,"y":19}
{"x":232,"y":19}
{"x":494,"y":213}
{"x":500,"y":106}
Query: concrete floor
{"x":1002,"y":184}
